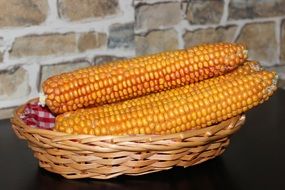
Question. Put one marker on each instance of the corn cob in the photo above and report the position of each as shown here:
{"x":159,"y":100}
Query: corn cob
{"x":140,"y":102}
{"x":126,"y":79}
{"x":184,"y":110}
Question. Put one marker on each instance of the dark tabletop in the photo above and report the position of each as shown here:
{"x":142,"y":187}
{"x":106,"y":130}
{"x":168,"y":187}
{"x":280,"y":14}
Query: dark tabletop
{"x":255,"y":159}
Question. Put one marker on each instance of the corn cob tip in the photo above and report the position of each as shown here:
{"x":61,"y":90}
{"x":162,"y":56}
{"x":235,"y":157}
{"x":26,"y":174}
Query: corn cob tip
{"x":271,"y":88}
{"x":275,"y":79}
{"x":255,"y":66}
{"x":245,"y":53}
{"x":236,"y":56}
{"x":42,"y":99}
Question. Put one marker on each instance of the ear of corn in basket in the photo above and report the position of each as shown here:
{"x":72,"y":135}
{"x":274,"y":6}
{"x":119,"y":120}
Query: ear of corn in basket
{"x":139,"y":103}
{"x":126,"y":79}
{"x":183,"y":108}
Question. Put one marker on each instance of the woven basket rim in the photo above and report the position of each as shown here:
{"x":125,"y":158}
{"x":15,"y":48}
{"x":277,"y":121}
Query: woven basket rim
{"x":104,"y":157}
{"x":58,"y":136}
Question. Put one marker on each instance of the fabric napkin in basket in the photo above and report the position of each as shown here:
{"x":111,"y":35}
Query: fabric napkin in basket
{"x":37,"y":116}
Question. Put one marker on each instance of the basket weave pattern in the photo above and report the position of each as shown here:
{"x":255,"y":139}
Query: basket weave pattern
{"x":86,"y":156}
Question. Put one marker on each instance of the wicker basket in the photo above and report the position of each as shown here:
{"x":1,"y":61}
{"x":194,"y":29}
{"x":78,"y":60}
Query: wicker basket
{"x":86,"y":156}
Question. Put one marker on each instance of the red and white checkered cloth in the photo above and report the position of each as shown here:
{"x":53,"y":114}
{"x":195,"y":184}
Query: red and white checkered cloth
{"x":37,"y":116}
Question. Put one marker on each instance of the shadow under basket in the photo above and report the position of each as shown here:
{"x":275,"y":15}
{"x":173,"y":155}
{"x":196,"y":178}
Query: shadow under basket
{"x":104,"y":157}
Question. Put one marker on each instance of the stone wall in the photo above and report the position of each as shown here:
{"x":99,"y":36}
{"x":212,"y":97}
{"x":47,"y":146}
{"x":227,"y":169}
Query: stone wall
{"x":40,"y":38}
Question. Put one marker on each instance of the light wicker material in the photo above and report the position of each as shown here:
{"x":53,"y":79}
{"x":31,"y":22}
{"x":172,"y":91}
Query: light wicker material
{"x":104,"y":157}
